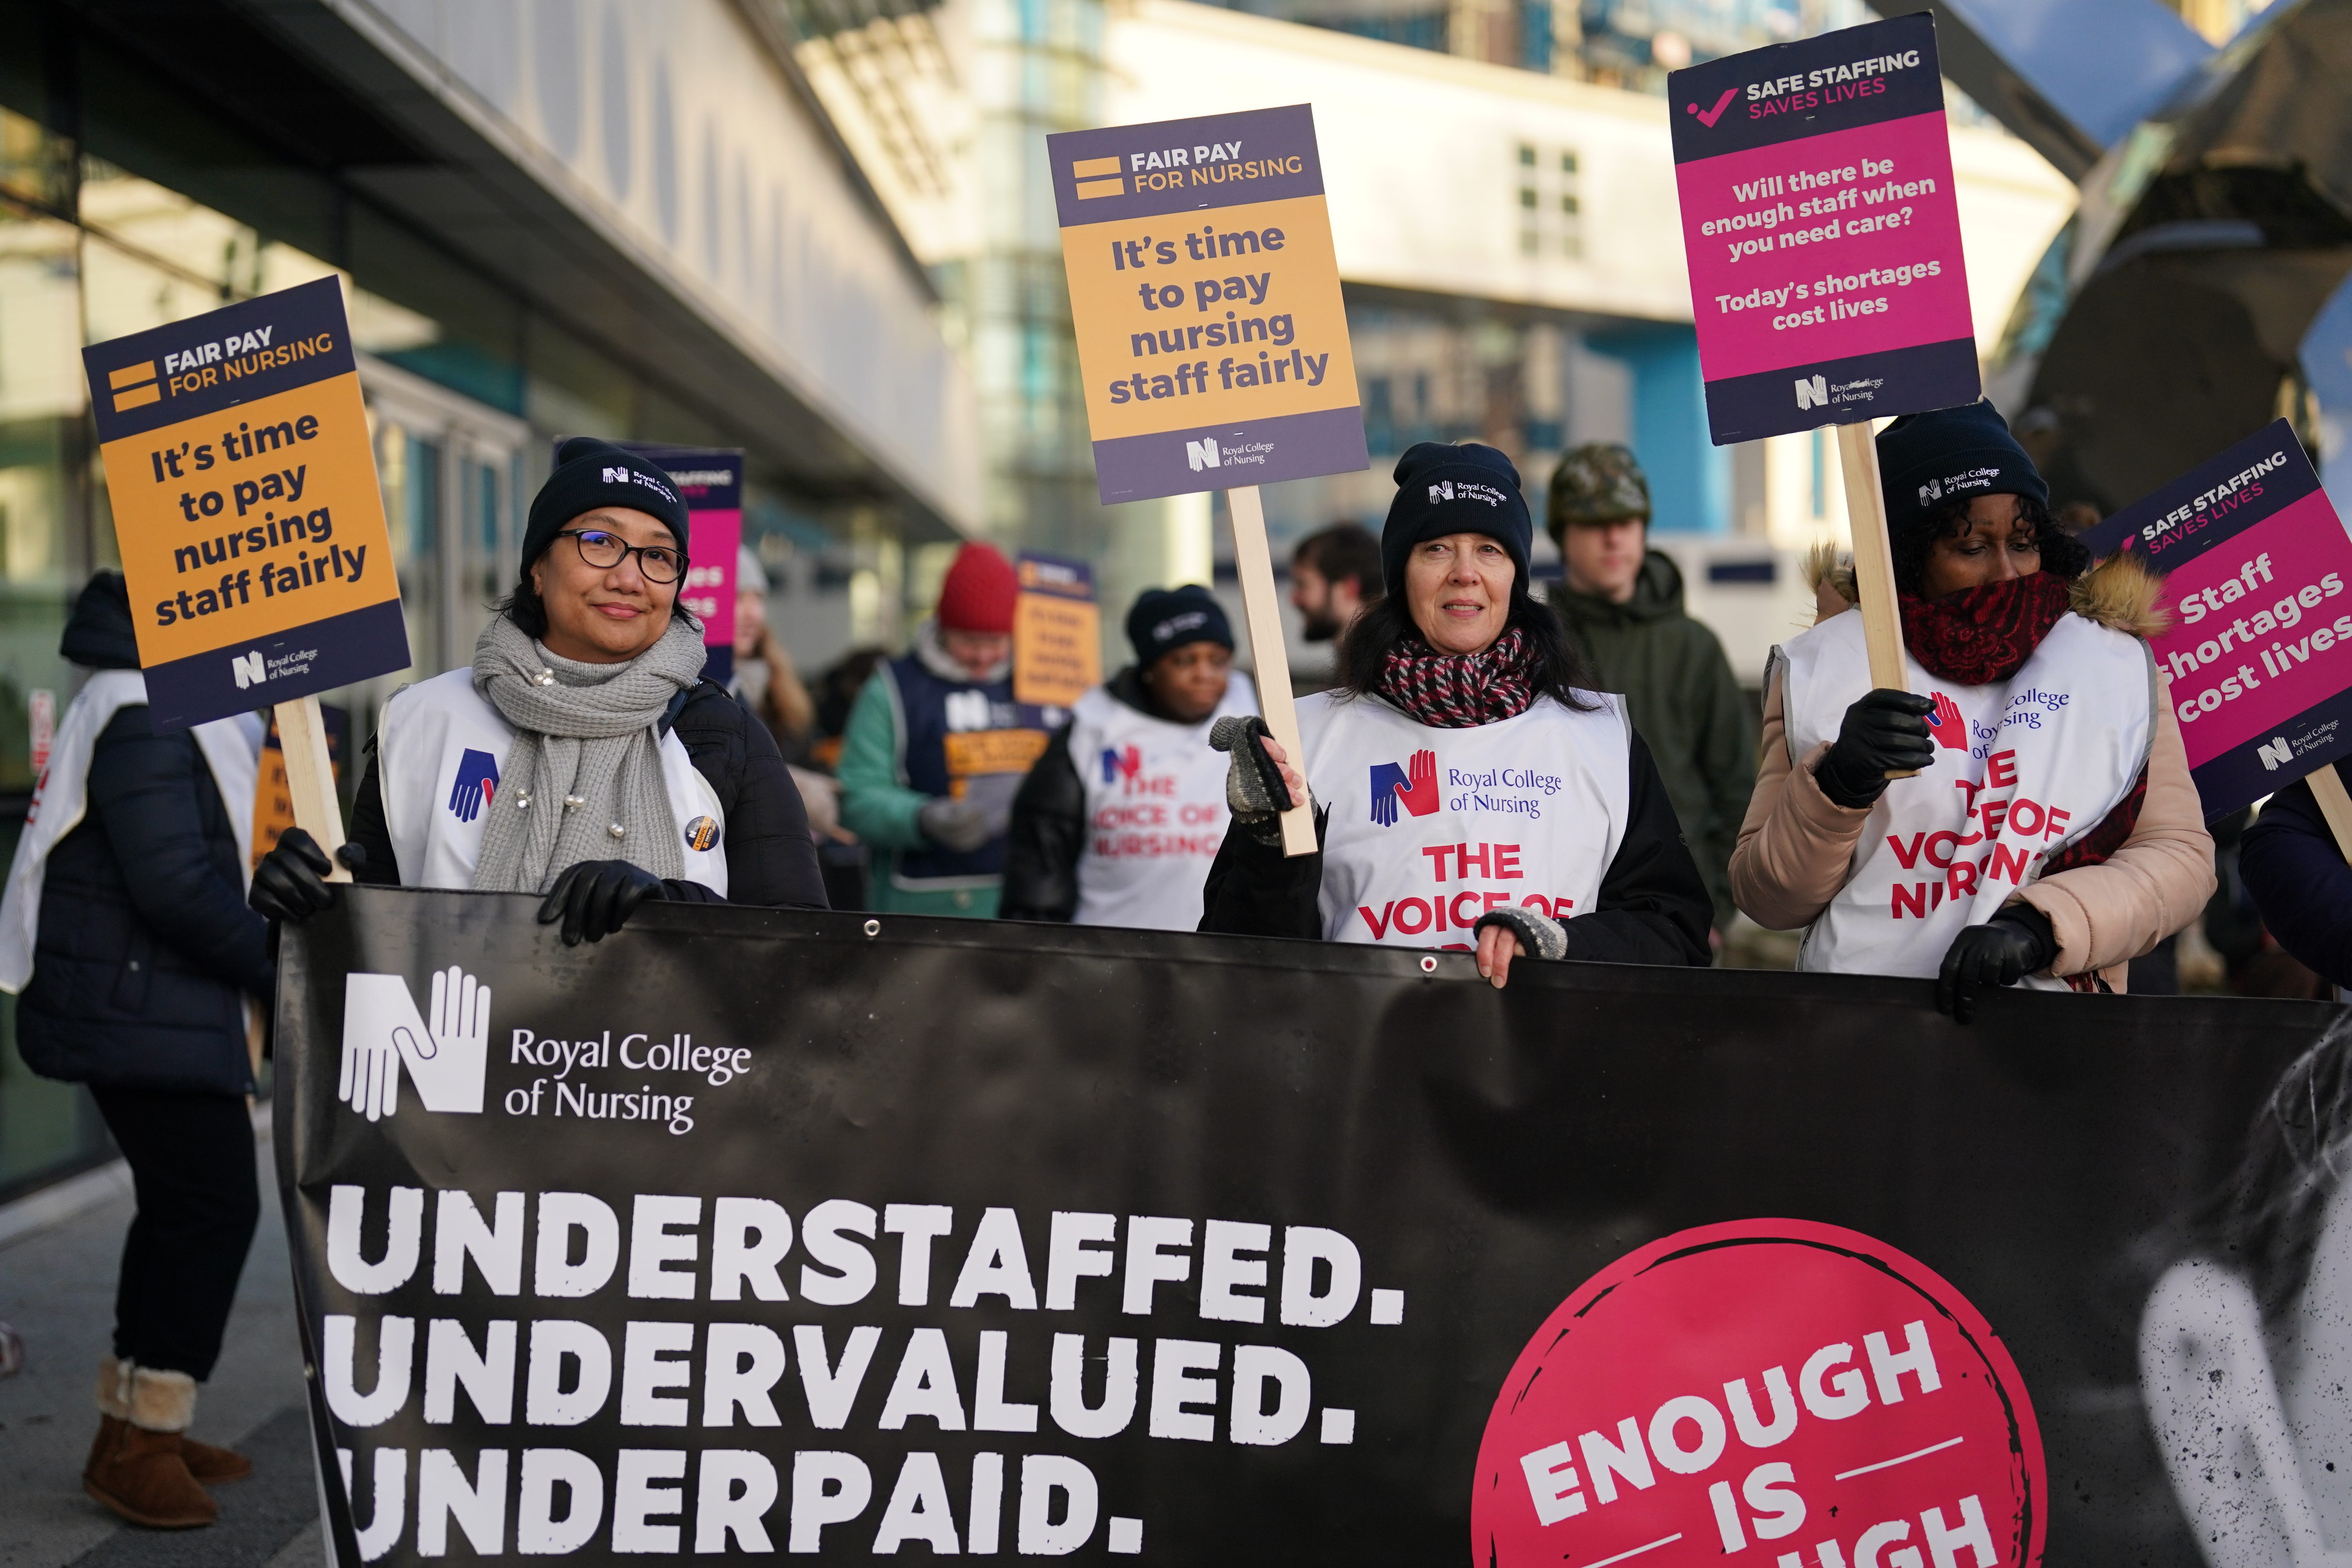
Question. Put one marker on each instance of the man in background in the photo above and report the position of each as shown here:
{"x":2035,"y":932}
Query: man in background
{"x":1333,"y":574}
{"x":1622,"y":605}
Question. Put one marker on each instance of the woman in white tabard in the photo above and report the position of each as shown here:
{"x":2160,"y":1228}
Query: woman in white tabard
{"x":581,"y":756}
{"x":1120,"y":819}
{"x":2052,"y":832}
{"x":1468,"y":791}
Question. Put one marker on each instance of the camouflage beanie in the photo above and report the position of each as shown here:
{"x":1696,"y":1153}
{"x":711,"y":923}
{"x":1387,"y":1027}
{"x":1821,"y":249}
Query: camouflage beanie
{"x":1598,"y":482}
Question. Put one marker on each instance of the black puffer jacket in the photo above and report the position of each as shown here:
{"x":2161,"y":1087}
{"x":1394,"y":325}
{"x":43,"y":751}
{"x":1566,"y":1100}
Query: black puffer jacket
{"x":145,"y":945}
{"x":770,"y":859}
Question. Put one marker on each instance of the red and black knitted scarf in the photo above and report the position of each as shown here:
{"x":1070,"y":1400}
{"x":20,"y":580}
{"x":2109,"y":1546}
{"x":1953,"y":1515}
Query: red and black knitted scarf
{"x":1451,"y":692}
{"x":1978,"y":636}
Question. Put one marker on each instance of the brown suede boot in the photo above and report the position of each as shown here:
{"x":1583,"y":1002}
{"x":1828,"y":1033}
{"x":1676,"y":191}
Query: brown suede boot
{"x":136,"y":1467}
{"x":213,"y":1467}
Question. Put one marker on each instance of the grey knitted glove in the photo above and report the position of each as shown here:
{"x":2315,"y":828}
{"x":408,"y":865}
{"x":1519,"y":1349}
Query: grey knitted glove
{"x":1254,"y":786}
{"x":957,"y":825}
{"x":1542,"y":936}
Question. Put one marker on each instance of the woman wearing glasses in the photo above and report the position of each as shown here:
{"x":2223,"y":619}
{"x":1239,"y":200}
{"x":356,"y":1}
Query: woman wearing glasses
{"x":582,"y":755}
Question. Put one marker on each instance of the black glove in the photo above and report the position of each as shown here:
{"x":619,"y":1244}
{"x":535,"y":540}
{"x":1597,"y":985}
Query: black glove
{"x":2015,"y":943}
{"x":595,"y":898}
{"x":290,"y":883}
{"x":1884,"y":732}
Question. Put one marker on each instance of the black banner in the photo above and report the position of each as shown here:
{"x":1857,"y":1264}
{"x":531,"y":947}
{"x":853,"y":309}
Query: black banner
{"x":752,"y":1232}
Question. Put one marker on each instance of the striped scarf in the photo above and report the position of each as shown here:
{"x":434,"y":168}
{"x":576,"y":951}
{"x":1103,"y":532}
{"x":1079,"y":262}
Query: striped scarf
{"x":1451,"y":692}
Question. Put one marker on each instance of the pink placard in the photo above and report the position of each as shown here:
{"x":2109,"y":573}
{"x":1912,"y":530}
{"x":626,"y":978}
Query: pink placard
{"x":1824,"y":249}
{"x":2272,"y":632}
{"x":709,"y":590}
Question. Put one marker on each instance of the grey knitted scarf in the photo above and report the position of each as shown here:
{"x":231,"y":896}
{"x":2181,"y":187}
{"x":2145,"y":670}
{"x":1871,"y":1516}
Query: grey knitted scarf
{"x":583,"y":778}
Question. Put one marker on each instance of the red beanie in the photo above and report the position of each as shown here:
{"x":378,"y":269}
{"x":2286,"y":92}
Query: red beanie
{"x":979,"y":592}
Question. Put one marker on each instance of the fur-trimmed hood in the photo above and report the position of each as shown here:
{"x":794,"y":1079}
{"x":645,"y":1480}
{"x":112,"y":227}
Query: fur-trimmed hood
{"x":2119,"y":593}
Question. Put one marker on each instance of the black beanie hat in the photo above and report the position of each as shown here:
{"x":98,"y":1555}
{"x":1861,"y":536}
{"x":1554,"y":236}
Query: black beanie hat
{"x":1165,"y":619}
{"x":1927,"y":459}
{"x":1444,"y":489}
{"x":590,"y":473}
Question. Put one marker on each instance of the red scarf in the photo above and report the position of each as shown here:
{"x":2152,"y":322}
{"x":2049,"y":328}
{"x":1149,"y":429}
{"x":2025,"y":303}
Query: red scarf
{"x":1978,"y":636}
{"x":1450,"y":691}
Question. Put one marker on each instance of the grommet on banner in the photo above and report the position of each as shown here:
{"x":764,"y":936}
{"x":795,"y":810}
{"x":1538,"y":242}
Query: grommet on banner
{"x":873,"y":928}
{"x":1429,"y":964}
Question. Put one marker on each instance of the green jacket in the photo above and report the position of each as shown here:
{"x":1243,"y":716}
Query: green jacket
{"x":1684,"y":701}
{"x":878,"y":806}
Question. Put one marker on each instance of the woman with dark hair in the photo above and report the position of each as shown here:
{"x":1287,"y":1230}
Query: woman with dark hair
{"x":2052,"y":832}
{"x":582,"y":755}
{"x":1469,"y":791}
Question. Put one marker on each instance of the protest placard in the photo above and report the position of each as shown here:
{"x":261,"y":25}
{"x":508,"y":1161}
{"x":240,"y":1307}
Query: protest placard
{"x":1822,"y":233}
{"x":710,"y":478}
{"x":929,"y":1237}
{"x":246,"y":507}
{"x":1212,"y":336}
{"x":1057,"y":631}
{"x":2259,"y":660}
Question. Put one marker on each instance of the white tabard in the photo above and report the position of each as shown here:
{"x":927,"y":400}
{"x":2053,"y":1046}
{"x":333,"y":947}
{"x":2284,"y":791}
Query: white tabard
{"x":2023,"y":767}
{"x":1155,"y":809}
{"x":1431,"y":828}
{"x":440,"y":755}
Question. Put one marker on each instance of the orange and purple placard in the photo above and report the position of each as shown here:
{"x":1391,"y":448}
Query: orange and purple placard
{"x":1822,"y":232}
{"x":243,"y":484}
{"x":2258,"y":664}
{"x":1206,"y":295}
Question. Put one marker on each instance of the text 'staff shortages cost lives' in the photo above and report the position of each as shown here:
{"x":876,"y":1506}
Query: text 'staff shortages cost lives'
{"x":246,"y":505}
{"x":1206,"y":298}
{"x":1823,"y":236}
{"x":2258,"y":664}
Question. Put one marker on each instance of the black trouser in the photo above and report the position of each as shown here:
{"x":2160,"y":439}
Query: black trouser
{"x":192,"y":1164}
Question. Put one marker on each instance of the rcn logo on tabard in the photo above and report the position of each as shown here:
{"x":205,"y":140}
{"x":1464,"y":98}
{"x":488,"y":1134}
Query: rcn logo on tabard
{"x":1415,"y":784}
{"x":447,"y":1059}
{"x":1812,"y":392}
{"x":476,"y":787}
{"x":2275,"y":754}
{"x":1121,"y":764}
{"x":249,"y":669}
{"x":1203,"y":453}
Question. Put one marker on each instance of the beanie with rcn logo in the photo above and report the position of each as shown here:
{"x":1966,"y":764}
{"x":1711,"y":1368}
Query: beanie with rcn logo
{"x":1165,"y":619}
{"x":590,"y":474}
{"x":1927,"y":461}
{"x":1444,"y":489}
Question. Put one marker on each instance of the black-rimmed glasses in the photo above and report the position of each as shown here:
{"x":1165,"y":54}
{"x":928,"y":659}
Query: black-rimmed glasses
{"x":604,"y":551}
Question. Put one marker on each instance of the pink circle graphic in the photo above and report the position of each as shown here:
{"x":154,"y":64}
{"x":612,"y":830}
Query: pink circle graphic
{"x":1786,"y":1393}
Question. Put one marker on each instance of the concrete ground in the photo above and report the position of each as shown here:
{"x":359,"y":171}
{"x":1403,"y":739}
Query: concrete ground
{"x":56,"y":1287}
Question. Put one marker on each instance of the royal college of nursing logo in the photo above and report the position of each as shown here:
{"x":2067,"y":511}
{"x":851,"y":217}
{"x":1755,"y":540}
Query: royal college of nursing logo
{"x":446,"y":1060}
{"x":1415,"y":784}
{"x":1118,"y":764}
{"x":476,"y":786}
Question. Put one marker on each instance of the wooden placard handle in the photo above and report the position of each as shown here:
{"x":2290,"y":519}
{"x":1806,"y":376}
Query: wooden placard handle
{"x":1262,"y":616}
{"x":2328,"y":789}
{"x":1873,"y":561}
{"x":310,"y":777}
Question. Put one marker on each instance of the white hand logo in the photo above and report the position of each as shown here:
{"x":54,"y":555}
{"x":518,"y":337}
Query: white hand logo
{"x":382,"y":1031}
